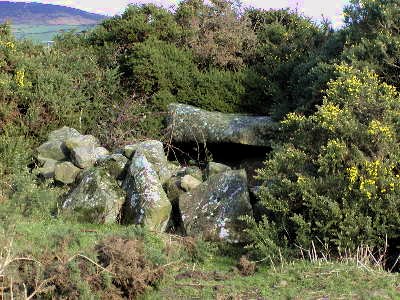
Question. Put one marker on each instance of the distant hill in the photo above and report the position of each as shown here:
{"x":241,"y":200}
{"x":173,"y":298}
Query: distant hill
{"x":23,"y":13}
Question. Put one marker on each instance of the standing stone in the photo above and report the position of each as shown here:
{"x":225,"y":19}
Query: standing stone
{"x":96,"y":199}
{"x":154,"y":152}
{"x":147,"y":202}
{"x":213,"y":209}
{"x":66,"y":172}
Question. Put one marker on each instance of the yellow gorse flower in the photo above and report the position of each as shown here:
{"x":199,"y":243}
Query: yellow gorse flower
{"x":377,"y":128}
{"x":329,"y":114}
{"x":20,"y":78}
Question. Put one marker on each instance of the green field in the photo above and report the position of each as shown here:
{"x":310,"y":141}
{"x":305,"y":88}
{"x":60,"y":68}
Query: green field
{"x":44,"y":33}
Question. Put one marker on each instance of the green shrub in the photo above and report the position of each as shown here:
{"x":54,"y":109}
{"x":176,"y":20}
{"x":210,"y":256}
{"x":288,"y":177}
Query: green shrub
{"x":334,"y":176}
{"x":372,"y":29}
{"x":291,"y":56}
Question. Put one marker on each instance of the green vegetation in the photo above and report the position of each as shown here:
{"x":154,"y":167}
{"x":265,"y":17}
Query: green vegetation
{"x":330,"y":185}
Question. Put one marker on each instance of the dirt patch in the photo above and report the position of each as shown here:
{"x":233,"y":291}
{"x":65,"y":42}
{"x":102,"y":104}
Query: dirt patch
{"x":132,"y":273}
{"x":206,"y":276}
{"x":246,"y":267}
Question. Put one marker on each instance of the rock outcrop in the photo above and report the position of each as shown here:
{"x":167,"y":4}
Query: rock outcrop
{"x":190,"y":124}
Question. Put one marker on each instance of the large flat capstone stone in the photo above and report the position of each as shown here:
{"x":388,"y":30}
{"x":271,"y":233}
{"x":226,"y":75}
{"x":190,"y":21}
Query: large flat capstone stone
{"x":190,"y":124}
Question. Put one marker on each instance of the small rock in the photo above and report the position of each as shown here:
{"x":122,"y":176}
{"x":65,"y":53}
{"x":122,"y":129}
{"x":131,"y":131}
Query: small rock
{"x":66,"y":172}
{"x":63,"y":134}
{"x":83,"y":157}
{"x":154,"y":152}
{"x":54,"y":150}
{"x":214,"y":168}
{"x":193,"y":171}
{"x":115,"y":164}
{"x":101,"y":152}
{"x":48,"y":168}
{"x":88,"y":141}
{"x":189,"y":183}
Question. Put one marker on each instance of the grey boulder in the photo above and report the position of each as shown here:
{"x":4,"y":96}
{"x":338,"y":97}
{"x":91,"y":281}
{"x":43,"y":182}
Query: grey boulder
{"x":115,"y":164}
{"x":48,"y":168}
{"x":96,"y":199}
{"x":147,"y":202}
{"x":63,"y":134}
{"x":66,"y":172}
{"x":189,"y":183}
{"x":54,"y":150}
{"x":214,"y":208}
{"x":154,"y":152}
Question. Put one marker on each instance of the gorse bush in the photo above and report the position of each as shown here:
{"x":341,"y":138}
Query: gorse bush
{"x":334,"y":176}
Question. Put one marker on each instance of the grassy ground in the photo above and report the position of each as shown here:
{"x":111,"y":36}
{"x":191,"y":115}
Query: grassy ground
{"x":217,"y":279}
{"x":188,"y":270}
{"x":44,"y":33}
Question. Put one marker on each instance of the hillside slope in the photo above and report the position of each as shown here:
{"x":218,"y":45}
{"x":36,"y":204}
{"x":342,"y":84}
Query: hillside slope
{"x":45,"y":14}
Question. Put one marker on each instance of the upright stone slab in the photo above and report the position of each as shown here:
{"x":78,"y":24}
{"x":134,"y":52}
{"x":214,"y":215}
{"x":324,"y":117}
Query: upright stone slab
{"x":190,"y":124}
{"x":96,"y":199}
{"x":213,"y":209}
{"x":147,"y":202}
{"x":154,"y":152}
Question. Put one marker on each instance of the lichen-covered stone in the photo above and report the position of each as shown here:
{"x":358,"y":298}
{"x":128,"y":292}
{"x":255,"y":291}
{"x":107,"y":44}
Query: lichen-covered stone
{"x":190,"y":124}
{"x":101,"y":152}
{"x":213,"y":209}
{"x":86,"y":156}
{"x":48,"y":168}
{"x":154,"y":152}
{"x":54,"y":150}
{"x":66,"y":172}
{"x":115,"y":164}
{"x":214,"y":168}
{"x":189,"y":183}
{"x":88,"y":141}
{"x":96,"y":199}
{"x":63,"y":134}
{"x":147,"y":202}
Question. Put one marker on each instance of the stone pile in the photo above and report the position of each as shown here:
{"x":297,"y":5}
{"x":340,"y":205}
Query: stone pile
{"x":138,"y":185}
